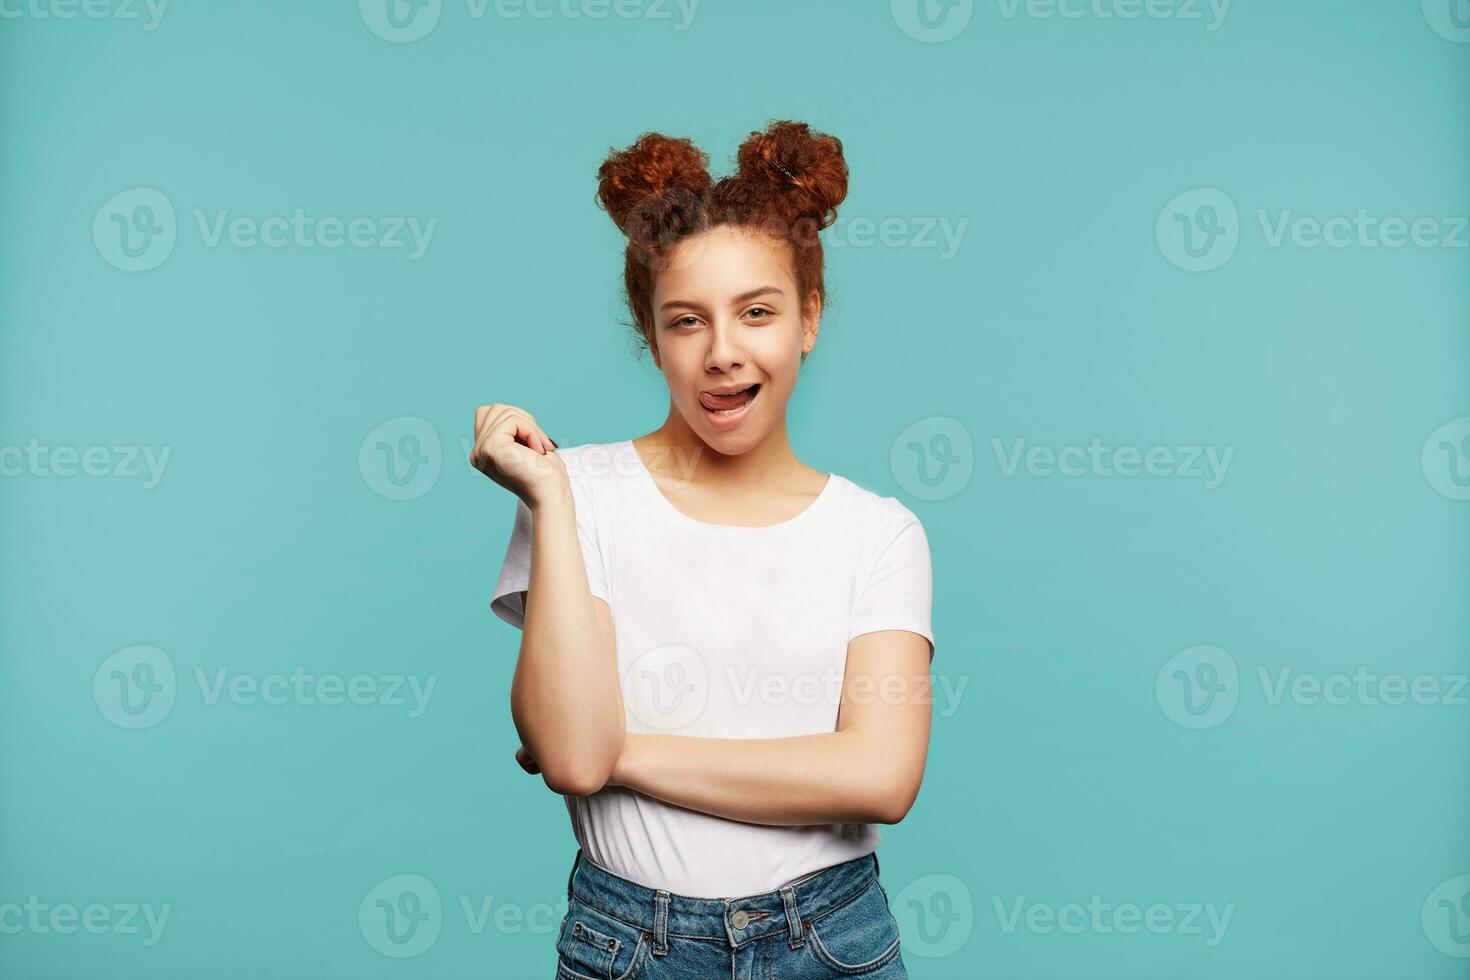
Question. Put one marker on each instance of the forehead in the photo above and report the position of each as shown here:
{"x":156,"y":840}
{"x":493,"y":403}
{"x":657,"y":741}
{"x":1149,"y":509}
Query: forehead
{"x":724,"y":261}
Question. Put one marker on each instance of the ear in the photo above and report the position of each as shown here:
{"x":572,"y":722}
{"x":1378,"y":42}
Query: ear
{"x":811,"y":321}
{"x":653,"y":349}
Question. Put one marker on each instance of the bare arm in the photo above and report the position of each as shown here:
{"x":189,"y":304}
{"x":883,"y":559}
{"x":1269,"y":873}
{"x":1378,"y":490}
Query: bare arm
{"x":867,"y":771}
{"x":564,"y":698}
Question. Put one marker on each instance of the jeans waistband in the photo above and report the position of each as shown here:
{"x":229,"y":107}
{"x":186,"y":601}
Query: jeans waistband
{"x":737,"y":921}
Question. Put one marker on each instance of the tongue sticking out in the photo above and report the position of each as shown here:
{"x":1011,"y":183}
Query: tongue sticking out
{"x":725,"y":402}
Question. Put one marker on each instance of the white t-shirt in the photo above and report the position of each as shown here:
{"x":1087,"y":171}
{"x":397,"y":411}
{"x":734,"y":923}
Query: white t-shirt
{"x":726,"y":632}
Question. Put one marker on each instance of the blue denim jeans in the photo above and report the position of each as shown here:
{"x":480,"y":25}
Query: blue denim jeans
{"x":831,"y":923}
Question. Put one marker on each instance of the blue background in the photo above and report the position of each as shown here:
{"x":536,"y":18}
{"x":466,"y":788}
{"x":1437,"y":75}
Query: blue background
{"x":270,"y":544}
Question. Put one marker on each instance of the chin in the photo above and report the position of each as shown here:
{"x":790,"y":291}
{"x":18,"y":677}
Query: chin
{"x":730,"y":443}
{"x":727,"y":442}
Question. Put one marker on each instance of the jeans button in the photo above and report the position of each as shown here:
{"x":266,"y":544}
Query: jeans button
{"x":740,"y":920}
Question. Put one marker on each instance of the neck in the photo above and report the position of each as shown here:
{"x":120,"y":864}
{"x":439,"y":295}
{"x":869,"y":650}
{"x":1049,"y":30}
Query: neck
{"x":682,"y":454}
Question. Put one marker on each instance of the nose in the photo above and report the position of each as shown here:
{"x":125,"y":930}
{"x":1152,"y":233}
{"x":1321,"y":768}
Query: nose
{"x":725,"y":346}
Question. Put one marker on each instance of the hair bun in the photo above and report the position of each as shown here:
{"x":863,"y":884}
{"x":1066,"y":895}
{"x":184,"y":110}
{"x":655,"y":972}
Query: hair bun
{"x":792,"y":154}
{"x":654,"y":188}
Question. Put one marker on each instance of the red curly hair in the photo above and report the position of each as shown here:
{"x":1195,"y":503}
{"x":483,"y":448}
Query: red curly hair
{"x":789,"y":182}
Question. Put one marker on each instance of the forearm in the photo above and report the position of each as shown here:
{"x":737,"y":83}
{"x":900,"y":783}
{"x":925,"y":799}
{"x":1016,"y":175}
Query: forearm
{"x":833,"y":777}
{"x":565,"y":698}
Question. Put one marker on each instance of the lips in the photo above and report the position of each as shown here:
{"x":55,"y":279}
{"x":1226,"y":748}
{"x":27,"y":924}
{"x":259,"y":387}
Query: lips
{"x":724,"y":401}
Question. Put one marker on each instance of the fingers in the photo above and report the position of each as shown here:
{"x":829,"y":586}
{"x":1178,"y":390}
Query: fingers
{"x":493,"y":453}
{"x":490,"y":419}
{"x":526,"y":762}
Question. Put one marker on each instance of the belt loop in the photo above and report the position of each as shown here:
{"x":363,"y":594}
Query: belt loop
{"x":576,"y":861}
{"x":793,"y":919}
{"x":875,"y":862}
{"x":660,"y":923}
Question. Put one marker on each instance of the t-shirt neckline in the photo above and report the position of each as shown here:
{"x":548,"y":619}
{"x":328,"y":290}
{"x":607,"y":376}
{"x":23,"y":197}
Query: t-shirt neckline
{"x":668,"y":505}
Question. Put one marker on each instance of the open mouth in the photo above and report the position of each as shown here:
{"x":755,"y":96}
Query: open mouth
{"x":728,"y":404}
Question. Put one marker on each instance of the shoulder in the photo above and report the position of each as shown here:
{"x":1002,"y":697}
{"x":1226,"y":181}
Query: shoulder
{"x":880,"y":515}
{"x":599,"y":472}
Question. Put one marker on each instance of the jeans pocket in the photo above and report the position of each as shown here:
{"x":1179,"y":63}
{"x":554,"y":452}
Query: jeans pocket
{"x":859,"y":938}
{"x":596,"y":946}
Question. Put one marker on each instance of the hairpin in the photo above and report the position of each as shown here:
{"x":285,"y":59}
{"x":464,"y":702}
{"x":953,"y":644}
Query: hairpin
{"x":786,"y":172}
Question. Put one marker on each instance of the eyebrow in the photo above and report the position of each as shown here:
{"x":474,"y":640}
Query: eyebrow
{"x":744,"y":297}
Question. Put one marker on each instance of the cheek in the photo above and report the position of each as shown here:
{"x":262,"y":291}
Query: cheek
{"x":780,"y":358}
{"x":683,"y":373}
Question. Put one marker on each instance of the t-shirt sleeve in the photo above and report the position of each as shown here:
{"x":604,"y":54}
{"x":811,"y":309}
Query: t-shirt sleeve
{"x":509,"y":599}
{"x":899,"y":591}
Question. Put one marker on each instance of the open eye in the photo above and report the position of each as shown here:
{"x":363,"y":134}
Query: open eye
{"x":687,"y":320}
{"x":760,"y":309}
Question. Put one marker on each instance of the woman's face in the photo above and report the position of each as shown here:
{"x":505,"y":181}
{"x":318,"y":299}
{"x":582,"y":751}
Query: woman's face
{"x":725,"y":317}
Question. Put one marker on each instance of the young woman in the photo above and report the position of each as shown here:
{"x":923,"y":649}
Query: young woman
{"x":724,"y":664}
